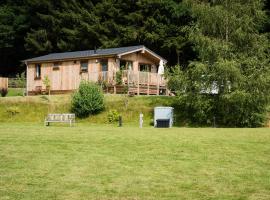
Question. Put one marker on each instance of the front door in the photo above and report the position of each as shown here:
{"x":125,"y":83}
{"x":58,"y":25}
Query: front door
{"x":56,"y":79}
{"x":104,"y":68}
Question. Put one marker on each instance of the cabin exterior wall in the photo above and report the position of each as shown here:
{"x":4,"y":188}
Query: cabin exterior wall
{"x":68,"y":75}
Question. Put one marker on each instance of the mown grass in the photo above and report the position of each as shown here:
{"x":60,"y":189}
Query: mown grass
{"x":105,"y":162}
{"x":35,"y":108}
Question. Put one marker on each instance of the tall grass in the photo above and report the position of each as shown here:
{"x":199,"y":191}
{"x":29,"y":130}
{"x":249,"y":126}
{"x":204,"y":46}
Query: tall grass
{"x":35,"y":108}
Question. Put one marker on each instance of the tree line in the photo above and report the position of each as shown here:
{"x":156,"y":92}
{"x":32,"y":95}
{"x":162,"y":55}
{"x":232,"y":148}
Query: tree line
{"x":29,"y":28}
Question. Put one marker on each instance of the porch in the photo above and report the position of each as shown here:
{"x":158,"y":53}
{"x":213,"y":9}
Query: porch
{"x":131,"y":82}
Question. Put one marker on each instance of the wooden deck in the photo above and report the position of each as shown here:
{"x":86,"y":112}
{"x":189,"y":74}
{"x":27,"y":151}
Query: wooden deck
{"x":132,"y":82}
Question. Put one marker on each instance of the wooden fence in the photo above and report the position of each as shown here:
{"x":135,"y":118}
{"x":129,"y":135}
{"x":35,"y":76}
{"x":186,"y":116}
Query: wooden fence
{"x":13,"y":83}
{"x":3,"y":82}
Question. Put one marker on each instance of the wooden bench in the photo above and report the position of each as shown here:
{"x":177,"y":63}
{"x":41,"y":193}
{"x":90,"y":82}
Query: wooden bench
{"x":61,"y":118}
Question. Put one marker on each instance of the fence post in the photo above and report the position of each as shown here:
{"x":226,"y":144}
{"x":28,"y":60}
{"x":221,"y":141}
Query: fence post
{"x":141,"y":120}
{"x":138,"y":89}
{"x":157,"y":84}
{"x":114,"y":82}
{"x":148,"y":83}
{"x":128,"y":81}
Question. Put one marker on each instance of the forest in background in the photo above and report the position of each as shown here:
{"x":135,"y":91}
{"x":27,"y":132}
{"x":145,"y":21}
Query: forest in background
{"x":30,"y":28}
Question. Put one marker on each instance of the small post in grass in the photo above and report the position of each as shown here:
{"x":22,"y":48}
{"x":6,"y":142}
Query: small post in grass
{"x":214,"y":121}
{"x":120,"y":121}
{"x":141,"y":120}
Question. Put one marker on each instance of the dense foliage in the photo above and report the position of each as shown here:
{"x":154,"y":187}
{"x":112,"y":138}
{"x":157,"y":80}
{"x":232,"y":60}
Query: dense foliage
{"x":29,"y":28}
{"x":87,"y":100}
{"x":229,"y":83}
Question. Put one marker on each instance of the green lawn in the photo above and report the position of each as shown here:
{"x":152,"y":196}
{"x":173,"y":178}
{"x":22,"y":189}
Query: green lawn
{"x":107,"y":162}
{"x":15,"y":92}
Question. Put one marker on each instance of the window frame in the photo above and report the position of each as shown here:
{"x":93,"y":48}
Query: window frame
{"x":56,"y":65}
{"x":104,"y":61}
{"x":84,"y":69}
{"x":145,"y":64}
{"x":126,"y":66}
{"x":37,"y":71}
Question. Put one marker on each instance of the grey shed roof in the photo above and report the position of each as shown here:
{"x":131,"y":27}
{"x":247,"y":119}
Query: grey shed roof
{"x":90,"y":53}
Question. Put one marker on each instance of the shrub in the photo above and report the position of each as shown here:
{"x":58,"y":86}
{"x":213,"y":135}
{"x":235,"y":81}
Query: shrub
{"x":118,"y":78}
{"x":87,"y":100}
{"x":20,"y":80}
{"x":13,"y":110}
{"x":4,"y":92}
{"x":113,"y":116}
{"x":47,"y":83}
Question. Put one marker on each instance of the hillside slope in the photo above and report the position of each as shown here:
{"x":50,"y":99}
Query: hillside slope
{"x":35,"y":108}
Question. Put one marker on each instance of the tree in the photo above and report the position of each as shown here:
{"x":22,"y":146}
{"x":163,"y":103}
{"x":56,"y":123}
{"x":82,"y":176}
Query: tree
{"x":13,"y":27}
{"x":47,"y":82}
{"x":230,"y":80}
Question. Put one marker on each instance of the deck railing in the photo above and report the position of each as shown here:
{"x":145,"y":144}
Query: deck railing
{"x":128,"y":78}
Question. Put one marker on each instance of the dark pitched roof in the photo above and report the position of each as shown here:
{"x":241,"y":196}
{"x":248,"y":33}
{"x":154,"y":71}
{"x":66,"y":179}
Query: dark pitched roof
{"x":87,"y":53}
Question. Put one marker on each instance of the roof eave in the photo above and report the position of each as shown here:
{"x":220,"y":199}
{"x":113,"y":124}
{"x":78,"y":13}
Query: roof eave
{"x":67,"y":59}
{"x":140,"y":48}
{"x":144,"y":49}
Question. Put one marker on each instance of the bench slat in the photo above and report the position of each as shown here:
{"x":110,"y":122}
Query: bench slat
{"x":61,"y":118}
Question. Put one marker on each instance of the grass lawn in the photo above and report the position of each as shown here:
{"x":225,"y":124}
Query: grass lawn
{"x":15,"y":92}
{"x":35,"y":108}
{"x":106,"y":162}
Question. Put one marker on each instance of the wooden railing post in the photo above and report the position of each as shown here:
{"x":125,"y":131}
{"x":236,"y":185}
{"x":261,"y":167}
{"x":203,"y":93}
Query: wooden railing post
{"x":128,"y":81}
{"x":148,"y":74}
{"x":138,"y":89}
{"x":114,"y":82}
{"x":157,"y":84}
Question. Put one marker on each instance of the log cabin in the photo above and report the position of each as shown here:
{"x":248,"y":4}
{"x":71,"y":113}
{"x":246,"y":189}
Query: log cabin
{"x":133,"y":69}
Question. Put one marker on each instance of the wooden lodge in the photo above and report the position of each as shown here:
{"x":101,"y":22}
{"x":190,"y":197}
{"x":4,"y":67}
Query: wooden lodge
{"x":134,"y":69}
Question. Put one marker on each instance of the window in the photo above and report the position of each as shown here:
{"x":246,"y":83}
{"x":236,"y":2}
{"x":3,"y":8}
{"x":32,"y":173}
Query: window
{"x":84,"y":66}
{"x":104,"y":65}
{"x":37,"y":71}
{"x":145,"y":67}
{"x":126,"y":65}
{"x":56,"y":65}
